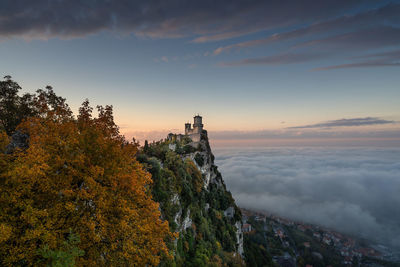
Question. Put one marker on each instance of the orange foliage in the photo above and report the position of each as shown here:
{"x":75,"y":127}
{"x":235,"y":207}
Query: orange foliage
{"x":80,"y":175}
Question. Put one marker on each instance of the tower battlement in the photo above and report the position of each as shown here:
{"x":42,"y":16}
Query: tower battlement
{"x":195,"y":132}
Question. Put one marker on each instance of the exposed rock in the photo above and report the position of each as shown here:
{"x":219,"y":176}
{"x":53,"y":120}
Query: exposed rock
{"x":172,"y":147}
{"x":187,"y":222}
{"x":229,"y":212}
{"x":207,"y":206}
{"x":239,"y":237}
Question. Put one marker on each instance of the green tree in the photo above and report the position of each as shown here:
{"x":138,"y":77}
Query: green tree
{"x":13,"y":108}
{"x":66,"y":255}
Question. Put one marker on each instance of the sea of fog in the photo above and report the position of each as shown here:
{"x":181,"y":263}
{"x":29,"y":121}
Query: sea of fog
{"x":352,"y":190}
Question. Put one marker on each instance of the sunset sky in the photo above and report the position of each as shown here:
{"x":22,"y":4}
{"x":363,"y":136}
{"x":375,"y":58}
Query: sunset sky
{"x":255,"y":70}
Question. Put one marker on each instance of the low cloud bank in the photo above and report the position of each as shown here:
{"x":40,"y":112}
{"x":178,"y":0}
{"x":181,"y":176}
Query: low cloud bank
{"x":354,"y":191}
{"x":347,"y":123}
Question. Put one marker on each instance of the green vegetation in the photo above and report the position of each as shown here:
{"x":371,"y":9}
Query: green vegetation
{"x":199,"y":159}
{"x":64,"y":257}
{"x":178,"y":186}
{"x":329,"y":254}
{"x":63,"y":177}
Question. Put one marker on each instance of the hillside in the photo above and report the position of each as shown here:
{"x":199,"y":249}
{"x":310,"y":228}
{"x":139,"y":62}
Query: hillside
{"x":194,"y":200}
{"x":75,"y":192}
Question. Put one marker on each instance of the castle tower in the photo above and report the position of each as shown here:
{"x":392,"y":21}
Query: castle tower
{"x":188,"y":128}
{"x":195,"y":132}
{"x":198,"y":124}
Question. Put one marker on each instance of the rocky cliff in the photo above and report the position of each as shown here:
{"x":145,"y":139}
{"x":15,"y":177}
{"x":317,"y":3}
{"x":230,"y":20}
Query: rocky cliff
{"x":194,"y":199}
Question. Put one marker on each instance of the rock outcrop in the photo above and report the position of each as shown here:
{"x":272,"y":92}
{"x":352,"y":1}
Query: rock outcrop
{"x":194,"y":199}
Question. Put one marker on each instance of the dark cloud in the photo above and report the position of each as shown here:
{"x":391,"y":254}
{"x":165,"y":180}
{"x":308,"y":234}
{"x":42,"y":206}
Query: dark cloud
{"x":341,"y":25}
{"x":209,"y":20}
{"x":287,"y":58}
{"x":387,"y":59}
{"x":347,"y":122}
{"x":353,"y":190}
{"x":386,"y":55}
{"x":377,"y":37}
{"x":388,"y":14}
{"x":368,"y":30}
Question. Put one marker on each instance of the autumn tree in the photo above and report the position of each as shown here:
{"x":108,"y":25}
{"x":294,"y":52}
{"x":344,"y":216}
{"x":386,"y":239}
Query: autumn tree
{"x":77,"y":176}
{"x":13,"y":108}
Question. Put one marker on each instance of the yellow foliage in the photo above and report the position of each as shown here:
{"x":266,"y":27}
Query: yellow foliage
{"x":79,"y":175}
{"x":5,"y":232}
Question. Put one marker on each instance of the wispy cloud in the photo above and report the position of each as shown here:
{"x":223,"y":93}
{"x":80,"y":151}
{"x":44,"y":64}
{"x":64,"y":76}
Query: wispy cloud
{"x":370,"y":30}
{"x":386,"y":59}
{"x":207,"y":19}
{"x":346,"y":122}
{"x":395,"y":54}
{"x":385,"y":15}
{"x":286,"y":58}
{"x":218,"y":37}
{"x":377,"y":37}
{"x":165,"y":59}
{"x":359,"y":65}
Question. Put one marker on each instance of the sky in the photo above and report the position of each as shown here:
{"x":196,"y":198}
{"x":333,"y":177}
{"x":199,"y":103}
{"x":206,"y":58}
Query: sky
{"x":270,"y":72}
{"x":318,"y":79}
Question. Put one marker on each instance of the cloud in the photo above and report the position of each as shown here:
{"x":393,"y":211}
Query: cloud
{"x":352,"y":190}
{"x":347,"y":122}
{"x":359,"y":65}
{"x":377,"y":37}
{"x":386,"y":59}
{"x":207,"y":19}
{"x":308,"y":133}
{"x":366,"y":39}
{"x":387,"y":14}
{"x":395,"y":54}
{"x":217,"y":37}
{"x":286,"y":58}
{"x":165,"y":59}
{"x":330,"y":24}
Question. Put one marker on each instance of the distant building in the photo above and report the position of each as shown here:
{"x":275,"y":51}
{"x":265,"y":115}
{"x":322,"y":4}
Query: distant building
{"x":260,"y":218}
{"x":195,"y":132}
{"x":246,"y":228}
{"x":326,"y":240}
{"x":317,"y":235}
{"x":245,"y":218}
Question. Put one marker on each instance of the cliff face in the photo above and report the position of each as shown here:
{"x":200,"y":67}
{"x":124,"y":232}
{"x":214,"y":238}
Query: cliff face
{"x":194,"y":200}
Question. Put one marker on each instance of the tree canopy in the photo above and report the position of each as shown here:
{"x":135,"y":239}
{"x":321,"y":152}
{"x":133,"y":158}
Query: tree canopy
{"x":77,"y":178}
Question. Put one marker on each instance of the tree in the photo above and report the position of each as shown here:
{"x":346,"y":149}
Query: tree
{"x":64,"y":257}
{"x":14,"y":108}
{"x":77,"y":174}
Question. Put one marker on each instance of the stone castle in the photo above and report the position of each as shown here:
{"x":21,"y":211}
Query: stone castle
{"x":195,"y":132}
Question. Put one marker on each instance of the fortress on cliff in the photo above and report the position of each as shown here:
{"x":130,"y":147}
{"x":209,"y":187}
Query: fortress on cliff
{"x":195,"y":132}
